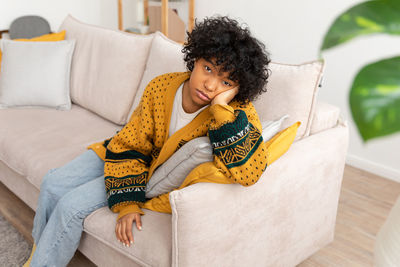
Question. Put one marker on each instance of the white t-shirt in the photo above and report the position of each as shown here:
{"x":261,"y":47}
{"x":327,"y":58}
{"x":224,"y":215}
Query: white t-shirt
{"x":179,"y":118}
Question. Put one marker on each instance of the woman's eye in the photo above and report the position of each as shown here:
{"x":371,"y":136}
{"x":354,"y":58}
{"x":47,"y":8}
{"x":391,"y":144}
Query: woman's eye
{"x":207,"y":68}
{"x":226,"y":83}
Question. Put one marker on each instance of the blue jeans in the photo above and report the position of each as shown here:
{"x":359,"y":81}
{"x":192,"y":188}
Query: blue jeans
{"x":67,"y":195}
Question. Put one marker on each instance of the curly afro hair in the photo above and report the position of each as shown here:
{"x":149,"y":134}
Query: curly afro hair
{"x":232,"y":47}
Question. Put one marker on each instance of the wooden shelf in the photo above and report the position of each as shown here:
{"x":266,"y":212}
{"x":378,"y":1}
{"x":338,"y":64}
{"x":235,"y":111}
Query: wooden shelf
{"x":164,"y":15}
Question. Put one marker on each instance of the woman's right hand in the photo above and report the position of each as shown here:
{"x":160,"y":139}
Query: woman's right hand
{"x":123,"y":229}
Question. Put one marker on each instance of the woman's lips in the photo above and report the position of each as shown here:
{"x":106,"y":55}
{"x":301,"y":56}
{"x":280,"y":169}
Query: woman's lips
{"x":202,"y":95}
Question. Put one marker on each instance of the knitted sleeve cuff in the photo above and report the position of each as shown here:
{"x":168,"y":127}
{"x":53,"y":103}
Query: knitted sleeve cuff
{"x":129,"y":209}
{"x":222,"y":114}
{"x":99,"y":149}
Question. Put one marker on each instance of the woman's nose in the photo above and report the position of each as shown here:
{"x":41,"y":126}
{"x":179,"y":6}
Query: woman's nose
{"x":210,"y":84}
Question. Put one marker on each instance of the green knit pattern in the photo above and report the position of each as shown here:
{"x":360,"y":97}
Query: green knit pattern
{"x":235,"y":142}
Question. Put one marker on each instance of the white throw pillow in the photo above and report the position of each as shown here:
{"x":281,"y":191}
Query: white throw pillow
{"x":171,"y":174}
{"x":36,"y":74}
{"x":271,"y":128}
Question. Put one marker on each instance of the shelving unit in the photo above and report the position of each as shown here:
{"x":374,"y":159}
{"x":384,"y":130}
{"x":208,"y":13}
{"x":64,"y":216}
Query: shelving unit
{"x":164,"y":15}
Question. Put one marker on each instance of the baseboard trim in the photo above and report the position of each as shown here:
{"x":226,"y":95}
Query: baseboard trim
{"x":373,"y":167}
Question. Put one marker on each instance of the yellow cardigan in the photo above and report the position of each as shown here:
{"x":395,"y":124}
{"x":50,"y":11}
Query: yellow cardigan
{"x":132,"y":155}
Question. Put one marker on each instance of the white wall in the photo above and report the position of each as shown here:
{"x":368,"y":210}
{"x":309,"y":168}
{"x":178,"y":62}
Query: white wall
{"x":99,"y":12}
{"x":292,"y":31}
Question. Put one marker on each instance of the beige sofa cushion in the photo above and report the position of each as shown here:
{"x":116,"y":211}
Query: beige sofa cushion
{"x":107,"y":67}
{"x":152,"y":245}
{"x":165,"y":56}
{"x":326,"y":116}
{"x":36,"y":140}
{"x":292,"y":89}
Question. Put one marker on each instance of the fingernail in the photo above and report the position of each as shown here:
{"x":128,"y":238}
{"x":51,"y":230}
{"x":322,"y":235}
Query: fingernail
{"x":140,"y":227}
{"x":131,"y":242}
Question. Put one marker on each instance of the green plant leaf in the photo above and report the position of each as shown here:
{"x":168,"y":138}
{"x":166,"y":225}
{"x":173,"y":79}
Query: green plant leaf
{"x":378,"y":16}
{"x":375,"y":99}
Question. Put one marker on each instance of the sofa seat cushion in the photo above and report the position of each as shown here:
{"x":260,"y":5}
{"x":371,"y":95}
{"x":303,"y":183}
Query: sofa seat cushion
{"x":152,"y":245}
{"x":32,"y":141}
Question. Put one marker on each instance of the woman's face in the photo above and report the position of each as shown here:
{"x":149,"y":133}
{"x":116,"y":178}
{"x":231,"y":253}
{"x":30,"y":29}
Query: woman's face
{"x":206,"y":81}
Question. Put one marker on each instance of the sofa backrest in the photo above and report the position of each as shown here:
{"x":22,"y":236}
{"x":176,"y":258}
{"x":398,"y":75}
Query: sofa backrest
{"x":107,"y":67}
{"x":110,"y":70}
{"x":292,"y":90}
{"x":165,"y":56}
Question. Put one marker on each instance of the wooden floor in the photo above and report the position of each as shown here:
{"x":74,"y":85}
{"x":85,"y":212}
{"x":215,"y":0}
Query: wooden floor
{"x":21,"y":216}
{"x":364,"y":204}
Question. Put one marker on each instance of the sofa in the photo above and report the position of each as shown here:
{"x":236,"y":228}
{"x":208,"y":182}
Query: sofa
{"x":285,"y":217}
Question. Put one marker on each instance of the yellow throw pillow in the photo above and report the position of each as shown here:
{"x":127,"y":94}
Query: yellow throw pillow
{"x":280,"y":143}
{"x":51,"y":37}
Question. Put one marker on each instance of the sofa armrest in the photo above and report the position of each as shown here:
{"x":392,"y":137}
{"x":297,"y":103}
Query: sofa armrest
{"x":280,"y":221}
{"x":325,"y":117}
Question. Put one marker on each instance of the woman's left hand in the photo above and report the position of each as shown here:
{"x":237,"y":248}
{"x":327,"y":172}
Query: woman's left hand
{"x":225,"y":97}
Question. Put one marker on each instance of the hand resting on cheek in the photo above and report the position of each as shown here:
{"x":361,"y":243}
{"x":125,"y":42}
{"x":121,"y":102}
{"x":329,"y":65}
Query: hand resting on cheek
{"x":225,"y":97}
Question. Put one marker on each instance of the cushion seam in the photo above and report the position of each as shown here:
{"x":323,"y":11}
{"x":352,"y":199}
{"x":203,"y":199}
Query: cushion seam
{"x":12,"y":168}
{"x":301,"y":64}
{"x":313,"y":101}
{"x":115,"y":247}
{"x":101,"y":28}
{"x":174,"y":229}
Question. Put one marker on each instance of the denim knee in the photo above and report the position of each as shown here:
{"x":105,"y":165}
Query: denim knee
{"x":47,"y":180}
{"x":69,"y":209}
{"x":49,"y":185}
